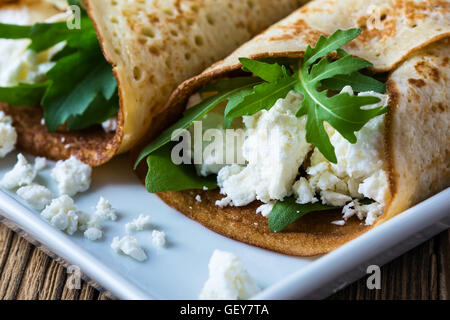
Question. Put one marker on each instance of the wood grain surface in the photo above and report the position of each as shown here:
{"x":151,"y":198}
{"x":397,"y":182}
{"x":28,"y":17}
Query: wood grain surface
{"x":26,"y":272}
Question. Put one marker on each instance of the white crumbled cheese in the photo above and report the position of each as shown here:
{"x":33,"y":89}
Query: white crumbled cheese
{"x":36,"y":195}
{"x":93,"y":234}
{"x":265,"y":209}
{"x":158,"y":238}
{"x":198,"y":198}
{"x":375,"y":187}
{"x":205,"y":188}
{"x":110,"y":125}
{"x":138,"y":224}
{"x":274,"y":149}
{"x":304,"y":192}
{"x":334,"y":198}
{"x":370,"y":212}
{"x":105,"y":211}
{"x":8,"y":135}
{"x":40,"y":163}
{"x":86,"y":221}
{"x":129,"y":246}
{"x":62,"y":214}
{"x":339,"y":222}
{"x":22,"y":174}
{"x":228,"y":279}
{"x":72,"y":176}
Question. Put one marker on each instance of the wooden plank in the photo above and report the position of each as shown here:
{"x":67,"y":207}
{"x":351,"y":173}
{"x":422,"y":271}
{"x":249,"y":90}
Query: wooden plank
{"x":34,"y":275}
{"x":28,"y":273}
{"x":14,"y":267}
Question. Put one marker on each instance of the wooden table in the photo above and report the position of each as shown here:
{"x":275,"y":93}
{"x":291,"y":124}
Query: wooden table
{"x":28,"y":273}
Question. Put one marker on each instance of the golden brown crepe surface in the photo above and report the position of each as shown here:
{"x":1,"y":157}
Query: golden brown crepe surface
{"x":313,"y":234}
{"x":409,"y":26}
{"x":153,"y":45}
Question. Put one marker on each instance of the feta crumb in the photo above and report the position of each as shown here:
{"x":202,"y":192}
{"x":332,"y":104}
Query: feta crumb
{"x":72,"y":176}
{"x":205,"y":188}
{"x":62,"y":214}
{"x":158,"y":238}
{"x":93,"y":234}
{"x":36,"y":195}
{"x":339,"y":222}
{"x":105,"y":211}
{"x":370,"y":212}
{"x":42,"y":122}
{"x":8,"y":135}
{"x":110,"y":125}
{"x":138,"y":224}
{"x":334,"y":199}
{"x":228,"y":280}
{"x":265,"y":209}
{"x":275,"y":148}
{"x":40,"y":163}
{"x":198,"y":198}
{"x":129,"y":246}
{"x":21,"y":175}
{"x":304,"y":192}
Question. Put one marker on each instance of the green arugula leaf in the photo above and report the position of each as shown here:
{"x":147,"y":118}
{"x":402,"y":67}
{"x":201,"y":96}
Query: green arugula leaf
{"x":99,"y":110}
{"x":342,"y":111}
{"x":326,"y":69}
{"x":230,"y":84}
{"x":72,"y":96}
{"x":11,"y":31}
{"x":269,"y":72}
{"x":263,"y":96}
{"x":286,"y":212}
{"x":358,"y":81}
{"x":193,"y":114}
{"x":23,"y":94}
{"x":326,"y":45}
{"x":80,"y":86}
{"x":164,"y":175}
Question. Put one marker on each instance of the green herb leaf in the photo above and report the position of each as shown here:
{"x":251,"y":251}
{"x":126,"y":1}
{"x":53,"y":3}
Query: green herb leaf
{"x":263,"y":96}
{"x":80,"y":86}
{"x":99,"y":110}
{"x":72,"y":96}
{"x":284,"y":213}
{"x":164,"y":175}
{"x":326,"y":45}
{"x":358,"y":81}
{"x":269,"y":72}
{"x":11,"y":31}
{"x":193,"y":114}
{"x":23,"y":94}
{"x":342,"y":111}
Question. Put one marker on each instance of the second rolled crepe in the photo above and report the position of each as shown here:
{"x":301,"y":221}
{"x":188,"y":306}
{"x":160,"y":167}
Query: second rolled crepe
{"x":153,"y":46}
{"x":408,"y":39}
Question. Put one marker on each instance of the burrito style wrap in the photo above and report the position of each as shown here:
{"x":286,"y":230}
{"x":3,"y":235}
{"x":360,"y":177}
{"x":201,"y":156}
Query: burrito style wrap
{"x":100,"y":85}
{"x":318,"y":186}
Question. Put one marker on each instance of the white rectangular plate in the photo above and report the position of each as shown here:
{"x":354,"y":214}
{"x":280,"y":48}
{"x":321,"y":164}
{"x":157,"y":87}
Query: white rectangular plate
{"x":180,"y":270}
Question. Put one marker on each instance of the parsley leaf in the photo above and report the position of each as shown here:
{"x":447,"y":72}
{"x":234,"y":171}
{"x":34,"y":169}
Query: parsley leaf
{"x":164,"y":175}
{"x":288,"y":211}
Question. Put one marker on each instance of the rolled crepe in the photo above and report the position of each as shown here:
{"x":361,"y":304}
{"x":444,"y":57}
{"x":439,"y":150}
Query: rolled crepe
{"x":153,"y":46}
{"x":408,"y":39}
